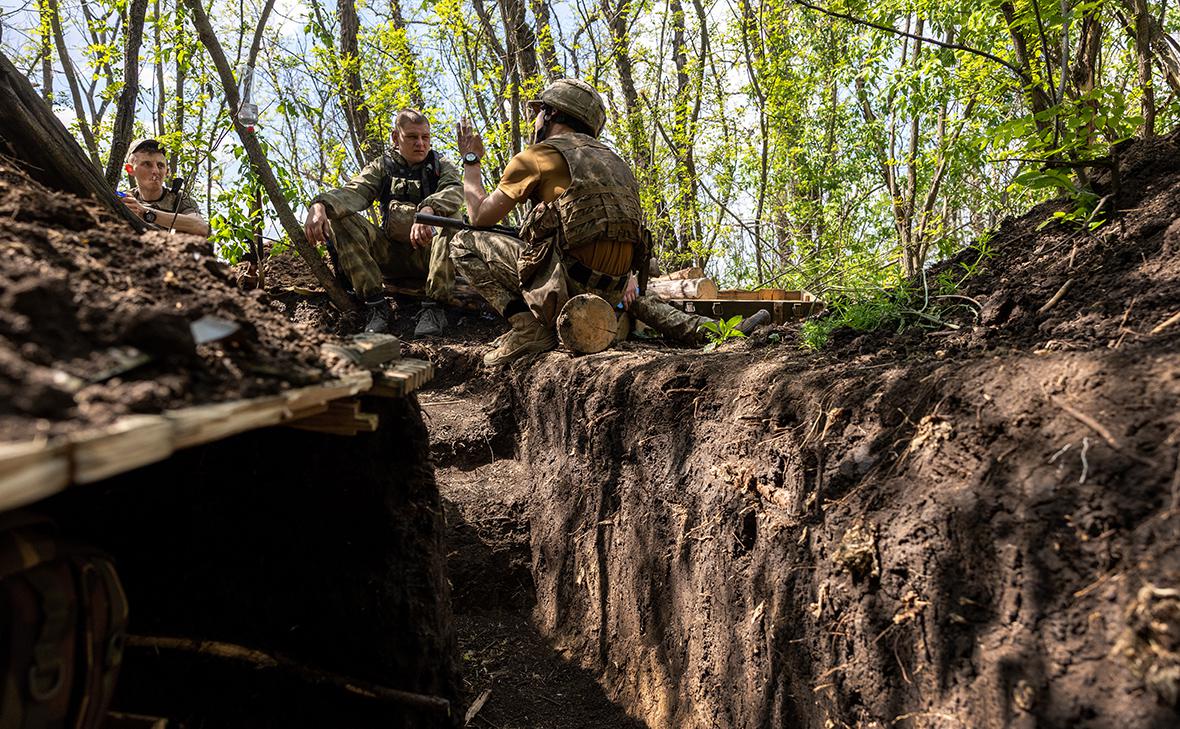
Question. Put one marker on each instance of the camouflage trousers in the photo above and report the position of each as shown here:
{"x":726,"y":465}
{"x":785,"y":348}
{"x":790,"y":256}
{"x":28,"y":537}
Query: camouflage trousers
{"x":489,"y":262}
{"x":367,"y":254}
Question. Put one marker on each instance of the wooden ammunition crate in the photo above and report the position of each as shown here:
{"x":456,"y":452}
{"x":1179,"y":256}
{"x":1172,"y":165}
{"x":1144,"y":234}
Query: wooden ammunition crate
{"x":783,"y":305}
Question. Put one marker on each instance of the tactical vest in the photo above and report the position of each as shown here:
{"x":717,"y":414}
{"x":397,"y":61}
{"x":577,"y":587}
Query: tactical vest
{"x":602,"y":202}
{"x":403,"y":184}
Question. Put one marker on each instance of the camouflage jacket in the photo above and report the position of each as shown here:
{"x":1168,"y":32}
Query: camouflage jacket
{"x":365,"y":188}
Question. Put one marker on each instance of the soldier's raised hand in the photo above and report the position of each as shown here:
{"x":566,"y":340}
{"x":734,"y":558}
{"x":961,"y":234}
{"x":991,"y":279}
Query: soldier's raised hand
{"x":469,"y":140}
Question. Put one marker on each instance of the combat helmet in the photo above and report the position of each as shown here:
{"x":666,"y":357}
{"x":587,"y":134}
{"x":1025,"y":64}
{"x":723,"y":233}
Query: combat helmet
{"x":576,"y":98}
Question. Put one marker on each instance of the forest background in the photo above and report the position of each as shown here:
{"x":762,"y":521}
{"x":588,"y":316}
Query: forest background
{"x":835,"y":146}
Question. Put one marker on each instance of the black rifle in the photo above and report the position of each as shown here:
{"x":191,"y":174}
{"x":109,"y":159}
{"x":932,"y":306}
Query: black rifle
{"x":444,"y":222}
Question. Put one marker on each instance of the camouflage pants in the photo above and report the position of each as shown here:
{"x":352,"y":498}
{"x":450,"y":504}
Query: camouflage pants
{"x":367,"y":253}
{"x":489,"y":262}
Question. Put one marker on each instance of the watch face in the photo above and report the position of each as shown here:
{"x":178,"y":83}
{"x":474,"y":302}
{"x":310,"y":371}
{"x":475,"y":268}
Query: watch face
{"x":470,"y":158}
{"x":149,"y":216}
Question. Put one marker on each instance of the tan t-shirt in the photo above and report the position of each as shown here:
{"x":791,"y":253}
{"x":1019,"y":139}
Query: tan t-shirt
{"x":540,"y":174}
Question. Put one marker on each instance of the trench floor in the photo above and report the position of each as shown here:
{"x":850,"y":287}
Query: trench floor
{"x":524,"y":682}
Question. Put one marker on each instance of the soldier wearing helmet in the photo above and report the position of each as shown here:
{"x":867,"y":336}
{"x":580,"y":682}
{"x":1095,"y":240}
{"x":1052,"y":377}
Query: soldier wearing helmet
{"x":584,"y":233}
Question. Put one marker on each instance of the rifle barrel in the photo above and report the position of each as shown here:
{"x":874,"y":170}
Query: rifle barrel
{"x":445,"y":222}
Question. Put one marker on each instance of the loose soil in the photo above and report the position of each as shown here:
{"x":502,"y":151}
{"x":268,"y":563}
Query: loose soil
{"x":942,"y":527}
{"x":78,"y":289}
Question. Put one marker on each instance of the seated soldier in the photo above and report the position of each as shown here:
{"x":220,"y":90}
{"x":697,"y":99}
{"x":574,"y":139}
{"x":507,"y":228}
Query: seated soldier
{"x":583,"y":235}
{"x":147,"y":163}
{"x":412,"y":178}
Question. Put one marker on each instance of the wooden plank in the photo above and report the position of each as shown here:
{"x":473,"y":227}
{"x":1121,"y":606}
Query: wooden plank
{"x":340,"y":417}
{"x":761,"y":295}
{"x":402,"y":378}
{"x":367,"y":350}
{"x":32,"y":471}
{"x":317,"y":394}
{"x":130,"y":442}
{"x":204,"y":423}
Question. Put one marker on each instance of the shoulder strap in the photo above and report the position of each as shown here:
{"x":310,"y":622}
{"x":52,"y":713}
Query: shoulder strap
{"x":431,"y":171}
{"x":386,"y":185}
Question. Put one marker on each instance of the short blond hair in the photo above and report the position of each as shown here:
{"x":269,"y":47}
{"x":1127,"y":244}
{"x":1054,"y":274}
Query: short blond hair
{"x":406,"y":117}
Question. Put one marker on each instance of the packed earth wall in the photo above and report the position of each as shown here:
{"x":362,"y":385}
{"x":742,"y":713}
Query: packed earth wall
{"x":741,"y":541}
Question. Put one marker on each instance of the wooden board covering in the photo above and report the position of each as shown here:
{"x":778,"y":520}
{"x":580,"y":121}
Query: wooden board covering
{"x":369,"y":350}
{"x":36,"y":469}
{"x":401,"y":378}
{"x":340,"y":417}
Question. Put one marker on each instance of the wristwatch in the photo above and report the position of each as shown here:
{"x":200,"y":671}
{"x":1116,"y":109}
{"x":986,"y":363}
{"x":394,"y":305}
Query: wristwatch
{"x":471,"y":158}
{"x":149,"y":216}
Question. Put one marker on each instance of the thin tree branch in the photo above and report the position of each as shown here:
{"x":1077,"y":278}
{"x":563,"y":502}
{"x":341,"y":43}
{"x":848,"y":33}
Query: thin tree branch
{"x":953,"y":46}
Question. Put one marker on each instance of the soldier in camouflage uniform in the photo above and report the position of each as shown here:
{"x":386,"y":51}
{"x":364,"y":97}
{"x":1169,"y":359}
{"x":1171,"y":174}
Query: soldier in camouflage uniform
{"x":583,"y":235}
{"x":409,"y":179}
{"x":150,"y":200}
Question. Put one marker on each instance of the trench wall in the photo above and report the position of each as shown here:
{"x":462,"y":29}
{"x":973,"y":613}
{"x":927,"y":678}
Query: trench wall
{"x":741,"y":541}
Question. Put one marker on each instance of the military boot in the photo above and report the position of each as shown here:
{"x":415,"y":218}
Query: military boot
{"x":379,"y":317}
{"x":528,"y":336}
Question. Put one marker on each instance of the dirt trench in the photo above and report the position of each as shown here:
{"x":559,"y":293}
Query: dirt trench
{"x":967,"y":525}
{"x":748,"y":541}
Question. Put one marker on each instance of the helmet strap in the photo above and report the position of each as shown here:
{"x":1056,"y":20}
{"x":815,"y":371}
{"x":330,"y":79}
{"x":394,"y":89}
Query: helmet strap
{"x":540,"y":136}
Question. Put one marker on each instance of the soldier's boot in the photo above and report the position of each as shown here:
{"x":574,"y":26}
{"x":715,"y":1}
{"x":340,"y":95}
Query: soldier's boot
{"x":431,"y":320}
{"x":528,"y":336}
{"x":379,"y":316}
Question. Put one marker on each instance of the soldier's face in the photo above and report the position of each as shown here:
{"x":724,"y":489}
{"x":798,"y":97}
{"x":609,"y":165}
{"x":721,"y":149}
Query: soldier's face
{"x":149,"y":169}
{"x":413,"y":142}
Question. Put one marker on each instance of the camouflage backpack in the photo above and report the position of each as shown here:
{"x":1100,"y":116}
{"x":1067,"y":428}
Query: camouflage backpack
{"x":64,"y":625}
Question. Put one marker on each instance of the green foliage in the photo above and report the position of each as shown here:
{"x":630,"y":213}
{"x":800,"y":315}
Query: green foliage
{"x":721,"y":331}
{"x":773,"y":144}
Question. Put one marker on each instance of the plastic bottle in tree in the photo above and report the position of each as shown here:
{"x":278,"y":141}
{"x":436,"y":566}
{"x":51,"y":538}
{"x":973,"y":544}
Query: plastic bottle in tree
{"x":247,"y":110}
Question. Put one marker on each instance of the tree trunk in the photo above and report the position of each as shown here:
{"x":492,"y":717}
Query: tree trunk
{"x":1038,"y":100}
{"x":125,"y":110}
{"x":158,"y":114}
{"x":545,"y":42}
{"x":46,"y":26}
{"x":262,"y":166}
{"x":72,"y":80}
{"x":406,"y":57}
{"x":352,"y":94}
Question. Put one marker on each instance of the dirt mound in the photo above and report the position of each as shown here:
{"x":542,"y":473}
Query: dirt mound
{"x":1041,"y":284}
{"x":94,"y":320}
{"x":946,"y":527}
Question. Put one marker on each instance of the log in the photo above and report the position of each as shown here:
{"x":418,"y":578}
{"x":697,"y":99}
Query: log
{"x":686,"y":288}
{"x":587,"y":324}
{"x":33,"y":136}
{"x":684,"y":273}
